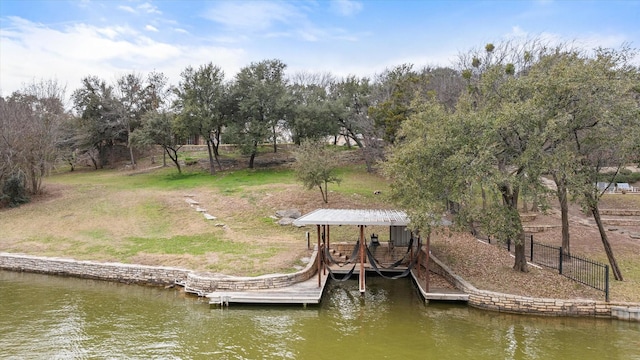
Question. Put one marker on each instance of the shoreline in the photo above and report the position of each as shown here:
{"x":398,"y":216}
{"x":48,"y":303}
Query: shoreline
{"x":203,"y":283}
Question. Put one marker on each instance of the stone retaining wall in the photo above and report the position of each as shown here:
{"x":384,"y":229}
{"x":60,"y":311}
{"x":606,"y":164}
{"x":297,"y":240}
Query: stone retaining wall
{"x":204,"y":283}
{"x":211,"y":282}
{"x":536,"y":306}
{"x":127,"y":273}
{"x":199,"y":283}
{"x":620,"y":212}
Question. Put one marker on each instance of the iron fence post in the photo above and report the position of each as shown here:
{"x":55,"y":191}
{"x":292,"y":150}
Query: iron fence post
{"x":560,"y":262}
{"x":531,"y":245}
{"x":606,"y":283}
{"x":509,"y":244}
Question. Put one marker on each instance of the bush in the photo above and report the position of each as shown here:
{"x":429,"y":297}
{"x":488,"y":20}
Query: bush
{"x":14,"y":190}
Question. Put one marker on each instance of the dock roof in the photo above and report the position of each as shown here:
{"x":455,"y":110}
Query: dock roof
{"x":353,"y":217}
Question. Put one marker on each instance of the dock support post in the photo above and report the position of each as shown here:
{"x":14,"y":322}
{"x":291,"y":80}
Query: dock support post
{"x":362,"y":273}
{"x":319,"y":259}
{"x":428,"y":254}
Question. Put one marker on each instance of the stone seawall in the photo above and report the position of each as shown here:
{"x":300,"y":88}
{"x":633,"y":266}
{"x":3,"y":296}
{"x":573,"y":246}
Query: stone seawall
{"x":207,"y":283}
{"x":127,"y":273}
{"x":199,"y":283}
{"x":500,"y":302}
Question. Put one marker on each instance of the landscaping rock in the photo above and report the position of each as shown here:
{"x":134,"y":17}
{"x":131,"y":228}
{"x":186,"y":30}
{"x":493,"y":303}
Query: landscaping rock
{"x":209,"y":216}
{"x":290,"y":213}
{"x":285,"y":221}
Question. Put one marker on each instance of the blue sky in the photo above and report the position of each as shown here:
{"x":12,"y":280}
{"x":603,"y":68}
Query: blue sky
{"x":68,"y":40}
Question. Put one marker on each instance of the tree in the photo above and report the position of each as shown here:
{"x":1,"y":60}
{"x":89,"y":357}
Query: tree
{"x":99,"y":122}
{"x":350,"y":102}
{"x":311,"y":117}
{"x":159,"y":129}
{"x":138,"y":97}
{"x":490,"y":144}
{"x":315,"y":166}
{"x":592,"y":99}
{"x":200,"y":106}
{"x":260,"y":92}
{"x":30,"y":122}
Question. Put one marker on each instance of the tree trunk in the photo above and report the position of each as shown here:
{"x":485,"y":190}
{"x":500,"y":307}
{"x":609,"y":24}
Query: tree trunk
{"x":173,"y":155}
{"x":275,"y":137}
{"x":212,"y":169}
{"x":216,"y":147}
{"x":617,"y":274}
{"x":561,"y":192}
{"x":324,"y":194}
{"x":253,"y":154}
{"x":510,"y":199}
{"x":521,"y":259}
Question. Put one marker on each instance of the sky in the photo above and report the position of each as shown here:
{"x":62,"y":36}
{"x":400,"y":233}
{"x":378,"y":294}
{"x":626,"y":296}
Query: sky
{"x":68,"y":40}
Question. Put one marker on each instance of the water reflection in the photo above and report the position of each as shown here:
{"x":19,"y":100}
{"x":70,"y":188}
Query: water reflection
{"x":54,"y":317}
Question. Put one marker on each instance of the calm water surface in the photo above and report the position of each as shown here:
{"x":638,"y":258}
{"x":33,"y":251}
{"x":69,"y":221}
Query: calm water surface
{"x":47,"y":317}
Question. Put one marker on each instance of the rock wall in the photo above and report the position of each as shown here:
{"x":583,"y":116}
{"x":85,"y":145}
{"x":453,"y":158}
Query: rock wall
{"x":127,"y":273}
{"x":199,"y":283}
{"x":500,"y":302}
{"x":206,"y":283}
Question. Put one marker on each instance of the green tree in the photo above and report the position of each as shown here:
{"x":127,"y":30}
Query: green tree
{"x":315,"y":166}
{"x":137,"y":97}
{"x":311,"y":117}
{"x":99,"y":123}
{"x":592,"y":101}
{"x":350,"y":100}
{"x":490,"y":144}
{"x":159,"y":129}
{"x":262,"y":103}
{"x":200,"y":106}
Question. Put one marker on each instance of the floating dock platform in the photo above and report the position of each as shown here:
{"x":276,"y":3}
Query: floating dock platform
{"x":303,"y":293}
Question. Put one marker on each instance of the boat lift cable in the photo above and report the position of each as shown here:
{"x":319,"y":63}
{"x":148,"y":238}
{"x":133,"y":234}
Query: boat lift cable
{"x":398,"y":262}
{"x":374,"y":265}
{"x":346,"y":277}
{"x":351,"y":259}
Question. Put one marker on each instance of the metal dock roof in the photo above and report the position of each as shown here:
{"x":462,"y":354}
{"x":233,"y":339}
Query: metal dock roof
{"x":353,"y":217}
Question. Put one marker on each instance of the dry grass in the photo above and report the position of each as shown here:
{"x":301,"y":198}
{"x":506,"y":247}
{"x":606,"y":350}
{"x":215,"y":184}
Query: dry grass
{"x":110,"y":216}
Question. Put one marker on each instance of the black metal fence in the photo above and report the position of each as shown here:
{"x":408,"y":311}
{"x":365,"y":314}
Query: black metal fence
{"x":582,"y":270}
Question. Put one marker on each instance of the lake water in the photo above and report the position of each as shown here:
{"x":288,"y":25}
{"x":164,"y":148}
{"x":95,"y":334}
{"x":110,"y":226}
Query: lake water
{"x":48,"y":317}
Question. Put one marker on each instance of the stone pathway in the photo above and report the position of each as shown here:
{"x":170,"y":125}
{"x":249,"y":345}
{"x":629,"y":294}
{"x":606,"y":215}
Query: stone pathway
{"x":196,"y":205}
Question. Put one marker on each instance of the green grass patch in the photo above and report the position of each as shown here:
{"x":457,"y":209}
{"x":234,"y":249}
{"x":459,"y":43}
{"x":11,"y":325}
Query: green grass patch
{"x":356,"y":180}
{"x":247,"y":177}
{"x":182,"y":244}
{"x":98,"y":234}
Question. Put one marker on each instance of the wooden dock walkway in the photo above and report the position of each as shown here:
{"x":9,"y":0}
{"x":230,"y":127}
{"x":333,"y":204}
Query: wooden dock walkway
{"x":439,"y":294}
{"x":308,"y":293}
{"x":302,"y":293}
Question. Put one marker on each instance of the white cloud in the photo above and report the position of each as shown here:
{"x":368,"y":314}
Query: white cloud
{"x":149,"y":9}
{"x":151,"y":28}
{"x":252,"y":16}
{"x":346,"y":7}
{"x":33,"y":51}
{"x":127,"y":9}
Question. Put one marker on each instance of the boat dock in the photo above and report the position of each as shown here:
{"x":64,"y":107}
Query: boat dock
{"x":309,"y":293}
{"x":303,"y":293}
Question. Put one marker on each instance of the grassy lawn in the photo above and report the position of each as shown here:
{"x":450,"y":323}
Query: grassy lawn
{"x":143,"y":217}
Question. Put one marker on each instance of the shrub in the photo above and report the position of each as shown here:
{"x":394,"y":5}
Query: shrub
{"x":14,"y":190}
